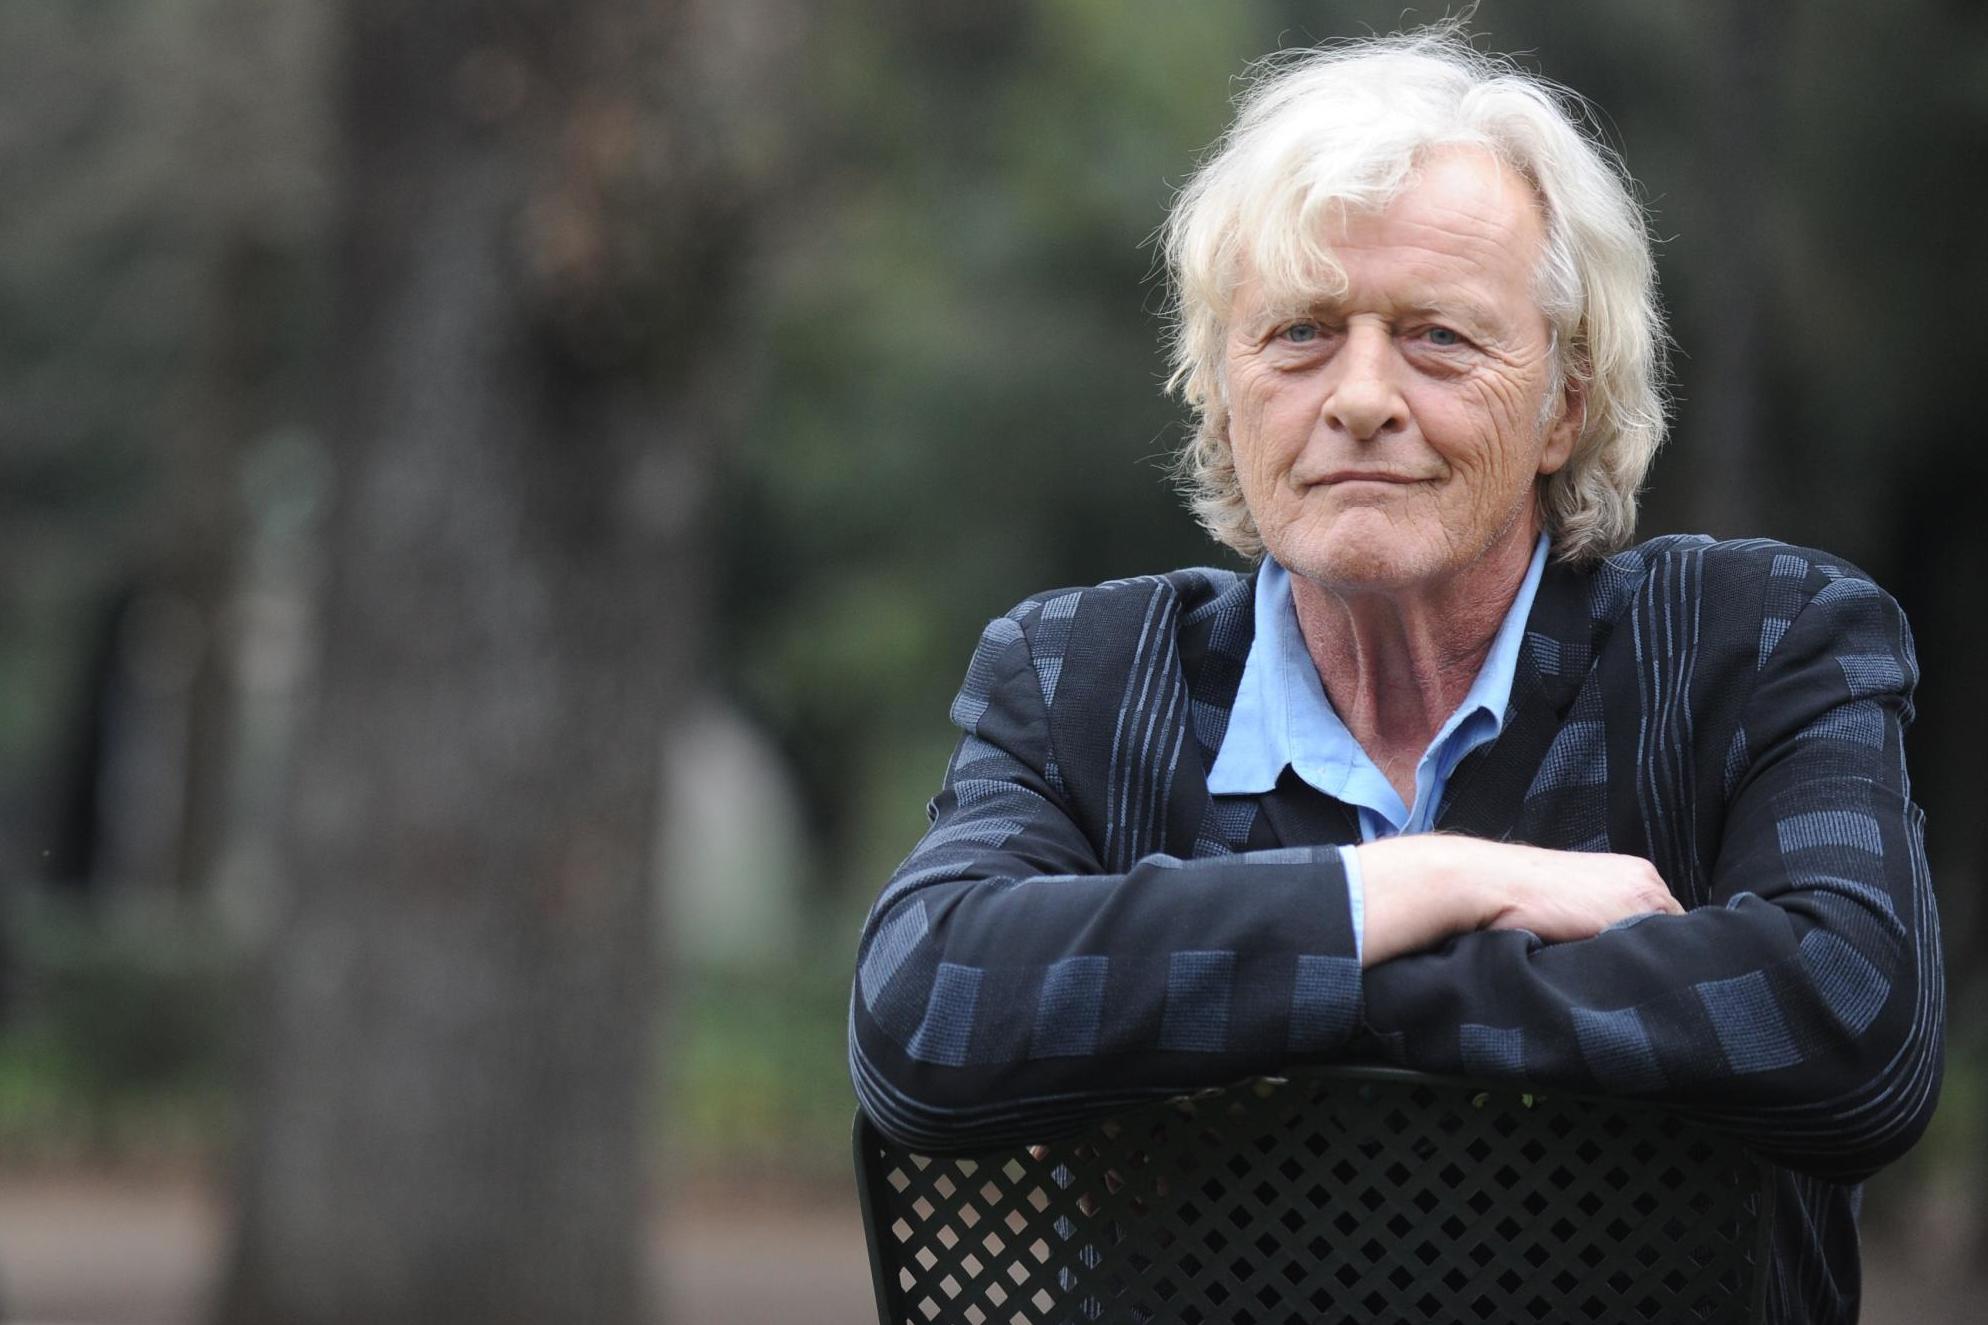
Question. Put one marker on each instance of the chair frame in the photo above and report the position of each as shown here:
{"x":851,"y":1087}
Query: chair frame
{"x":1343,"y":1193}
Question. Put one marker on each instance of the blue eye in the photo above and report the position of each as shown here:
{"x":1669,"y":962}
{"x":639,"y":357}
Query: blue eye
{"x":1443,"y":337}
{"x":1301,"y":333}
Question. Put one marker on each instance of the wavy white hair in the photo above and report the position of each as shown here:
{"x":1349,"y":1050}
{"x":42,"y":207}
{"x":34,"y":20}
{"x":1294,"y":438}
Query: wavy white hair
{"x":1343,"y":127}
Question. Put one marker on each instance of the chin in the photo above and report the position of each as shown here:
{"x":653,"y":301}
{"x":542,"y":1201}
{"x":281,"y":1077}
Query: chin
{"x":1360,"y":556}
{"x":1361,"y":565}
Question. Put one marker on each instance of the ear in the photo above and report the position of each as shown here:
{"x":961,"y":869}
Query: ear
{"x":1565,"y":428}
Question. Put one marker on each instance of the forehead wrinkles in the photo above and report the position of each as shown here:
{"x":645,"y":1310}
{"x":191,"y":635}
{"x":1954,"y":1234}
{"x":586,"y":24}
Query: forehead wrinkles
{"x":1465,"y":226}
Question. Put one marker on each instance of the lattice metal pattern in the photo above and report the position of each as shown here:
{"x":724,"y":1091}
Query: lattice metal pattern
{"x":1352,"y":1195}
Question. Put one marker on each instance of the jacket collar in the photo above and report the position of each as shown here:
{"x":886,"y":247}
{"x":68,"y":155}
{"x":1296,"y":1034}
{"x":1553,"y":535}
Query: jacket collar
{"x":1487,"y":790}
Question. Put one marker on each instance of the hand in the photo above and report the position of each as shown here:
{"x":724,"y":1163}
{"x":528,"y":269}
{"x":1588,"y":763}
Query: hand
{"x":1424,"y":888}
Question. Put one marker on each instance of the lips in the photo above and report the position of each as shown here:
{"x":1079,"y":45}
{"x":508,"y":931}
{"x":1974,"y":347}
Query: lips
{"x":1364,"y":476}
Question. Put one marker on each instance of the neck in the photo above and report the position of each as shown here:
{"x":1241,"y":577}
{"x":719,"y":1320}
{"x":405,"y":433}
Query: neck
{"x":1397,"y":664}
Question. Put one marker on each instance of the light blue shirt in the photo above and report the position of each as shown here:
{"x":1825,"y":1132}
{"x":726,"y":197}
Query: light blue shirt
{"x":1282,"y":718}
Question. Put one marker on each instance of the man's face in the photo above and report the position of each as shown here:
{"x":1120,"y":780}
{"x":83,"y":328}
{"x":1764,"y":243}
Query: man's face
{"x":1389,"y":438}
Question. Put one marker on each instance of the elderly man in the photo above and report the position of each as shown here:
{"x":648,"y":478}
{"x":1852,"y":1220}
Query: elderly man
{"x":1455,"y":780}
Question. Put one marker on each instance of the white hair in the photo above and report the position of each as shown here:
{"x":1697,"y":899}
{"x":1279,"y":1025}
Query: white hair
{"x":1320,"y":132}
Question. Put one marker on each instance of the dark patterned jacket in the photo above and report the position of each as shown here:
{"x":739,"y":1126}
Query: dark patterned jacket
{"x":1085,"y":927}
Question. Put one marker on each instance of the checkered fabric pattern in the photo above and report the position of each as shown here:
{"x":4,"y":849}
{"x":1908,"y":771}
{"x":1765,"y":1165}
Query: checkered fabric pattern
{"x":1085,"y":927}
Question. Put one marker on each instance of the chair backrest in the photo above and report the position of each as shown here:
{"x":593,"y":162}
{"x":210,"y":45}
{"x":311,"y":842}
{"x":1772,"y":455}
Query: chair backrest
{"x":1343,"y":1194}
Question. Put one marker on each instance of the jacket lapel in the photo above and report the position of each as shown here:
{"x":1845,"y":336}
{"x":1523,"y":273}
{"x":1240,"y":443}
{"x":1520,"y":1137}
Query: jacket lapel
{"x":1215,"y":635}
{"x":1216,"y":628}
{"x":1296,"y":814}
{"x":1486,"y":792}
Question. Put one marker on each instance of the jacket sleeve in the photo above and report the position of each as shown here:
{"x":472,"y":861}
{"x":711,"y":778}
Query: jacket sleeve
{"x":1008,"y":988}
{"x":1801,"y":1007}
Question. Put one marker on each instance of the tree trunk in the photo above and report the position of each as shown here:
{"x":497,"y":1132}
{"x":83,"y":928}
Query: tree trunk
{"x":450,"y":1086}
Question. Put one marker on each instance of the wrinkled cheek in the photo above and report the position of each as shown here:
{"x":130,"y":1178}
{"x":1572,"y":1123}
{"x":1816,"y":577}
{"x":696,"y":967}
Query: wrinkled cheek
{"x":1246,"y":444}
{"x":1503,"y":397}
{"x":1497,"y":495}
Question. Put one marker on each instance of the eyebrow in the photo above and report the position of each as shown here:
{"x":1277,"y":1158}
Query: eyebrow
{"x":1462,"y":307}
{"x":1445,"y":305}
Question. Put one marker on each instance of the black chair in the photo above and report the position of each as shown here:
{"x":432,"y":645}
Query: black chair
{"x":1343,"y":1194}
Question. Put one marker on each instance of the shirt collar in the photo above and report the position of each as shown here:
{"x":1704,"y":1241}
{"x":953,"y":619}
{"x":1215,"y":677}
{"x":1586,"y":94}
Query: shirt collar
{"x":1281,"y":717}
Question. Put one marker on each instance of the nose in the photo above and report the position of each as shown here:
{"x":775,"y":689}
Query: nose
{"x":1365,"y":399}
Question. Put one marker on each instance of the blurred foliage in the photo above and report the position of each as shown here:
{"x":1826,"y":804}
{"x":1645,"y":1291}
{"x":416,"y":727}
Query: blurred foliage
{"x":963,"y":362}
{"x":755,"y":1083}
{"x":120,"y":1036}
{"x":122,"y":1040}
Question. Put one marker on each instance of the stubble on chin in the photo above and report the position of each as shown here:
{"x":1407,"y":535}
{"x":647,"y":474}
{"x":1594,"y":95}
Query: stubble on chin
{"x":1359,"y":551}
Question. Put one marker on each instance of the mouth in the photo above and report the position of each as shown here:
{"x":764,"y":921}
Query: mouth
{"x":1346,"y":476}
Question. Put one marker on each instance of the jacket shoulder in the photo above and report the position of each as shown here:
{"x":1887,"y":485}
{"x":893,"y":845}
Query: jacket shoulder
{"x":1194,"y":608}
{"x":1741,"y":577}
{"x":1186,"y":591}
{"x":1722,"y":610}
{"x":1096,"y":649}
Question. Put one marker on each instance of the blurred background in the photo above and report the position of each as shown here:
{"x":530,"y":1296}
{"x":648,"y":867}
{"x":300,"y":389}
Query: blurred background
{"x":420,"y":424}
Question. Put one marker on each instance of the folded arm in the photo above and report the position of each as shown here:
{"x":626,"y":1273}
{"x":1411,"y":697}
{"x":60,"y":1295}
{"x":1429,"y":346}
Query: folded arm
{"x":1429,"y":887}
{"x":1008,"y":988}
{"x":1801,"y":1007}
